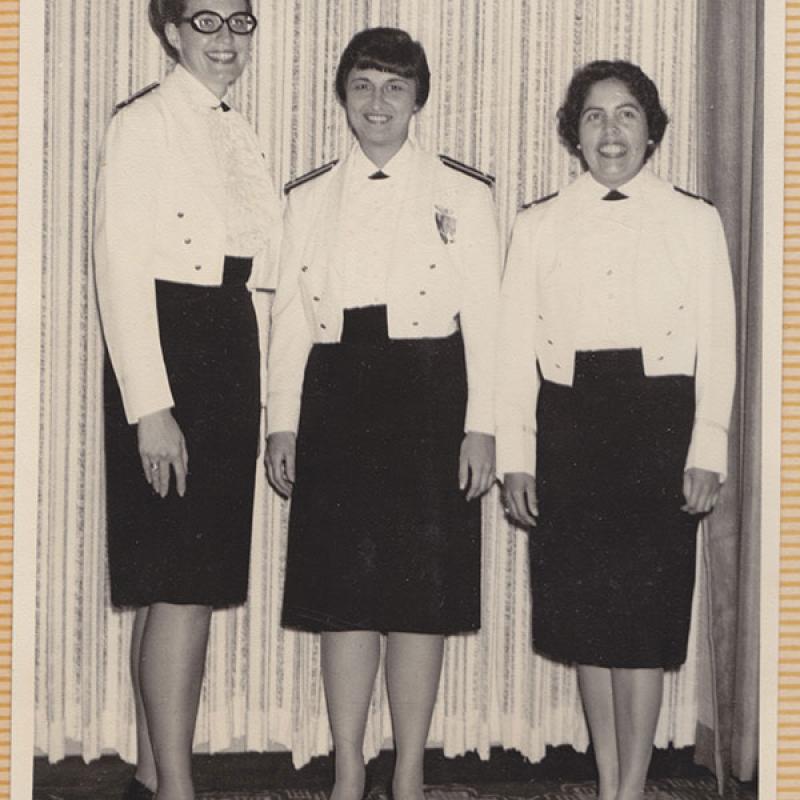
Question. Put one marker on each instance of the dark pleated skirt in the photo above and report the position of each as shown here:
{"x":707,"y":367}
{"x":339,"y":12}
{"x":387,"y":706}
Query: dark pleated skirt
{"x":193,"y":549}
{"x":380,"y":536}
{"x":613,"y":556}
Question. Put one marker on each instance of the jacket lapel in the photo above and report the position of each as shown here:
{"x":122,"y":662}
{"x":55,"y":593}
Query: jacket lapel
{"x":322,"y":247}
{"x":416,"y":201}
{"x":664,"y":261}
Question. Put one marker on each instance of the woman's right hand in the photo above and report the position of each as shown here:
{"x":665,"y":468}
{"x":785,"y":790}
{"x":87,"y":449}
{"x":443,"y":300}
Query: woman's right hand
{"x":161,"y":446}
{"x":519,"y":498}
{"x":279,"y":459}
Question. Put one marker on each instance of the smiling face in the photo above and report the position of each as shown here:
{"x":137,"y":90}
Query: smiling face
{"x":612,"y":133}
{"x":215,"y":59}
{"x":379,"y":109}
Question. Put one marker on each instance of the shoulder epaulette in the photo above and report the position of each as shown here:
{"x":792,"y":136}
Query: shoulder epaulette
{"x":135,"y":96}
{"x":692,"y":194}
{"x":467,"y":170}
{"x":541,"y":200}
{"x":309,"y":176}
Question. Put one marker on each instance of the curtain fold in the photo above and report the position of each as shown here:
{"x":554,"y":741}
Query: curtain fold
{"x":500,"y":68}
{"x":730,"y":106}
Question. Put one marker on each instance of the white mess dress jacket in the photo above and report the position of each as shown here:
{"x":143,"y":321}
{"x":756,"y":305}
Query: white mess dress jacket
{"x":443,"y":273}
{"x":160,"y":213}
{"x":683,"y":308}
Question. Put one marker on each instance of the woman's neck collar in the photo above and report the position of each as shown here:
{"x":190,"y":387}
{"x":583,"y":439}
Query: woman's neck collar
{"x":381,"y":156}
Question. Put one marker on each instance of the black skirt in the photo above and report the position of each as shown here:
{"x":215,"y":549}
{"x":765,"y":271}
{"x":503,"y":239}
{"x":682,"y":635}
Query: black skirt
{"x":193,"y":549}
{"x":380,"y":536}
{"x":613,"y":556}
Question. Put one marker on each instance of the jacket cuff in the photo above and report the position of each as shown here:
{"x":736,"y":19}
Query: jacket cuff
{"x":139,"y":404}
{"x":283,"y":413}
{"x":479,"y":417}
{"x":265,"y":270}
{"x":516,"y":450}
{"x":708,"y":448}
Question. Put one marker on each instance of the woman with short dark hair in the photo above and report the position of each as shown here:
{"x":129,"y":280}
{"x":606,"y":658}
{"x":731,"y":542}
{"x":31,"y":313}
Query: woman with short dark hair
{"x":386,"y":50}
{"x":186,"y":225}
{"x":615,"y":381}
{"x":380,"y":404}
{"x":640,"y":87}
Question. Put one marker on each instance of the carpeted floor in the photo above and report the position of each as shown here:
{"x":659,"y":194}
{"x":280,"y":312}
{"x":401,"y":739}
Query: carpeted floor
{"x":663,"y":789}
{"x":562,"y":775}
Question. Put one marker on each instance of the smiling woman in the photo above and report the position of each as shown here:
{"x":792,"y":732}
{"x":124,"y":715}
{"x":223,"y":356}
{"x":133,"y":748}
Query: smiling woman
{"x":379,"y":404}
{"x":612,"y":120}
{"x":613,"y":133}
{"x":186,"y":222}
{"x":613,"y":443}
{"x":213,"y":45}
{"x":379,"y":108}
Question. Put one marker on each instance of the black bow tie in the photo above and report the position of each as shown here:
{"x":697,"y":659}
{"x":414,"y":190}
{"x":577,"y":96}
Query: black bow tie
{"x":378,"y":176}
{"x":615,"y":195}
{"x":224,"y":107}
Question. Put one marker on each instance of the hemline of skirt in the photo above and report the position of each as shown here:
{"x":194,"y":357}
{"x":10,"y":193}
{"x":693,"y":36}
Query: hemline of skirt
{"x":573,"y":658}
{"x":124,"y":604}
{"x":314,"y":622}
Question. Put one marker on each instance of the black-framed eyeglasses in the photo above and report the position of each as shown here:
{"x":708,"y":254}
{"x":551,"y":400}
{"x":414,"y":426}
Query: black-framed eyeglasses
{"x":241,"y":23}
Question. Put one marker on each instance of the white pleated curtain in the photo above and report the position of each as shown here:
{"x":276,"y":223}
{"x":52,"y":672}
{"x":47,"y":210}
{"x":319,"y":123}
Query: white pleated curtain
{"x":499,"y":70}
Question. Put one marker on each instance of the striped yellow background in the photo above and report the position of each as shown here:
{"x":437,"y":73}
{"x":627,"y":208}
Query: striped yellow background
{"x":788,"y":762}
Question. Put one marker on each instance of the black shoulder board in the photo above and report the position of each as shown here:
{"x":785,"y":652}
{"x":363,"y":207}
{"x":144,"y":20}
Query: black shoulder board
{"x":135,"y":96}
{"x":541,"y":200}
{"x":691,"y":194}
{"x":309,"y":176}
{"x":467,"y":170}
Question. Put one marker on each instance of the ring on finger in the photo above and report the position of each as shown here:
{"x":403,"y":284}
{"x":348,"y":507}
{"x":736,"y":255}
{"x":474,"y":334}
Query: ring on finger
{"x":153,"y":466}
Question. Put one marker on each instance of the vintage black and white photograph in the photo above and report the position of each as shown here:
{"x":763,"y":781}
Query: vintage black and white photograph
{"x":393,"y":418}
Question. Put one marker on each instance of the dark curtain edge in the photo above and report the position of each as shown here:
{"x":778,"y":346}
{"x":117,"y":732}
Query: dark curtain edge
{"x":731,"y":74}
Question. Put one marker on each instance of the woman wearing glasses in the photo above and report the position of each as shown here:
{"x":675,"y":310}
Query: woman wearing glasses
{"x":186,"y":225}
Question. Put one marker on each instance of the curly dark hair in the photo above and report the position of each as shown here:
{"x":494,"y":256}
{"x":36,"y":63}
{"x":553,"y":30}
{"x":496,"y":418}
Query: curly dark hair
{"x":639,"y":85}
{"x":161,"y":12}
{"x":387,"y":50}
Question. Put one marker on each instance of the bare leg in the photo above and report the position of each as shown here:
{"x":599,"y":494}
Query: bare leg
{"x":349,"y":666}
{"x":173,"y":651}
{"x":145,"y":762}
{"x":413,"y":667}
{"x":598,"y":704}
{"x":637,"y":703}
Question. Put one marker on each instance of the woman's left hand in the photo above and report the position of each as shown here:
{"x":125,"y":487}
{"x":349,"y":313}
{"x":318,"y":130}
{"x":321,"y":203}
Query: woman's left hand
{"x":701,"y":490}
{"x":476,"y":465}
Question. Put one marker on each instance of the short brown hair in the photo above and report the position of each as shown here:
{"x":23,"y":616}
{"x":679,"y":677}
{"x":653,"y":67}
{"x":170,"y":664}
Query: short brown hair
{"x":387,"y":50}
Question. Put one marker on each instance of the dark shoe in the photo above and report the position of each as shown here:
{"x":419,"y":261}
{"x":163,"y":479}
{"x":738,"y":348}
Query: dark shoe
{"x":137,"y":791}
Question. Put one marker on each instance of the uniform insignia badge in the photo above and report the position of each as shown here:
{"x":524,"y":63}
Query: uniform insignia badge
{"x":541,"y":200}
{"x":309,"y":176}
{"x":446,"y":223}
{"x":134,"y":97}
{"x":467,"y":170}
{"x":692,"y":194}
